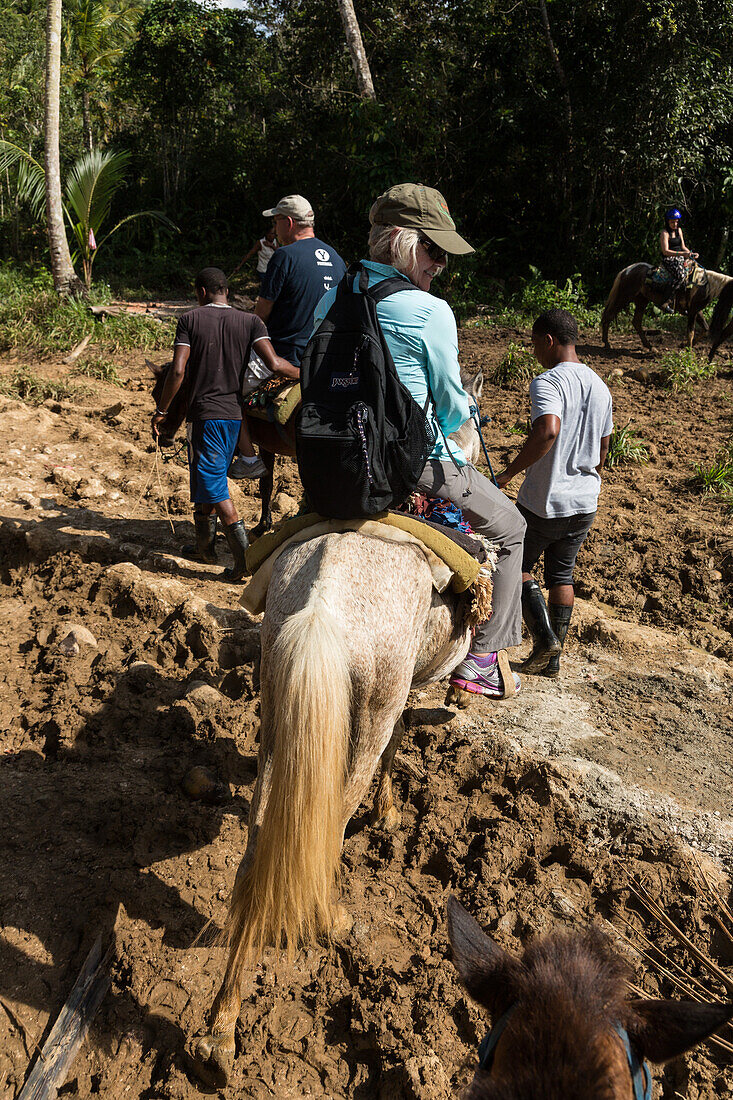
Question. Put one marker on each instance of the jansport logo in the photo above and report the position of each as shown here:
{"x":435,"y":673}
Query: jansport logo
{"x":322,"y":256}
{"x":344,"y":381}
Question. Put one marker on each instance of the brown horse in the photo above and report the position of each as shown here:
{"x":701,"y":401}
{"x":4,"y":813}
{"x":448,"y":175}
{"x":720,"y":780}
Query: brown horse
{"x":719,"y":329}
{"x":275,"y":439}
{"x":630,"y":286}
{"x":563,"y":1028}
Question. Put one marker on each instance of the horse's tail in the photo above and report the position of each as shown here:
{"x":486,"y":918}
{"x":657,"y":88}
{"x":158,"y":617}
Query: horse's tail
{"x":286,"y":895}
{"x":719,"y":318}
{"x":614,"y":303}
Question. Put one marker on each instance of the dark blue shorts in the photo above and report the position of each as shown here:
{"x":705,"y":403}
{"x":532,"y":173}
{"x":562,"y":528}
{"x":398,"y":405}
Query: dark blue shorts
{"x":559,"y":539}
{"x":211,"y":447}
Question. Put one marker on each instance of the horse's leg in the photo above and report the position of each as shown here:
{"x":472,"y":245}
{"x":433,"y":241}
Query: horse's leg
{"x":639,"y":310}
{"x":702,"y":322}
{"x":212,"y":1054}
{"x":266,"y":485}
{"x":385,"y":813}
{"x":606,"y":319}
{"x":690,"y":328}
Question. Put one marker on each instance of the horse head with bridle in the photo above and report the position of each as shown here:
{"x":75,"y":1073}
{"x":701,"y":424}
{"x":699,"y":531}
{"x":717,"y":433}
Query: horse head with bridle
{"x":631,"y":286}
{"x":274,"y":438}
{"x":563,"y":1027}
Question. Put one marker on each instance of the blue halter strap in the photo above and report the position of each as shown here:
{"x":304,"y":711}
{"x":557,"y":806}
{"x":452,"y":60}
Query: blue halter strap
{"x":640,"y":1075}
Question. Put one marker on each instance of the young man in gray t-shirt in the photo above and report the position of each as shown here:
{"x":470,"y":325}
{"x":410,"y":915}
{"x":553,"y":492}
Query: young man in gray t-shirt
{"x":572,"y":420}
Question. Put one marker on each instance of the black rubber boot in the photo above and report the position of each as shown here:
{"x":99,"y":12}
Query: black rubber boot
{"x":546,"y":644}
{"x":204,"y":548}
{"x":236,"y":537}
{"x":560,"y":618}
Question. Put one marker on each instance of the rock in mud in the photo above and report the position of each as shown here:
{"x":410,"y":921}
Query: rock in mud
{"x":205,"y":697}
{"x":202,"y":785}
{"x":72,"y":637}
{"x":284,"y":505}
{"x":420,"y":1078}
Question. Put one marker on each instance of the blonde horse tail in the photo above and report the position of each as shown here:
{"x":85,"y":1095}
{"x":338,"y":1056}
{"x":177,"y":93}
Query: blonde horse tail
{"x":287,"y":893}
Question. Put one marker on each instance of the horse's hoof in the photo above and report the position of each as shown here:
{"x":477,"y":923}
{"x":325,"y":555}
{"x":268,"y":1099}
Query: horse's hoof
{"x":211,"y":1058}
{"x":390,"y":820}
{"x":455,"y":697}
{"x":342,"y":924}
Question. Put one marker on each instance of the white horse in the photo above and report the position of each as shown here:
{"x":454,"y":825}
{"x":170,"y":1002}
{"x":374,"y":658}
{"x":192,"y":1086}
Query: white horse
{"x":352,"y":623}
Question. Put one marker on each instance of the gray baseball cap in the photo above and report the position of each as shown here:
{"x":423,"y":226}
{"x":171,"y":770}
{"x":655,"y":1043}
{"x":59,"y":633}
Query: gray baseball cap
{"x":292,"y":206}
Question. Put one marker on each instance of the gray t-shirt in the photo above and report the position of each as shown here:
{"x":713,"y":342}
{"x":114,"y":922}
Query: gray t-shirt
{"x":565,"y":482}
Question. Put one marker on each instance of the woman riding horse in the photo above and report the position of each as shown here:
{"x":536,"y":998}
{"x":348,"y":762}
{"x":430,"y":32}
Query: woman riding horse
{"x":675,"y":253}
{"x":412,"y":235}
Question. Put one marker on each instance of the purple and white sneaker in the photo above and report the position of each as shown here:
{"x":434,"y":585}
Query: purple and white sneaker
{"x":490,"y":675}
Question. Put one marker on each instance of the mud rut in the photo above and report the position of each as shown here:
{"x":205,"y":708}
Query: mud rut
{"x":535,"y":811}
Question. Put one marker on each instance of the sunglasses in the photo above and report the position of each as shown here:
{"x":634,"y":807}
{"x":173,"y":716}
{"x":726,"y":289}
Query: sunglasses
{"x":434,"y":251}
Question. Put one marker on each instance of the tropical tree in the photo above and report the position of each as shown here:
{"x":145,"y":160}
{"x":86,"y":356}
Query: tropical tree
{"x":65,"y":279}
{"x":91,"y":186}
{"x":96,"y":32}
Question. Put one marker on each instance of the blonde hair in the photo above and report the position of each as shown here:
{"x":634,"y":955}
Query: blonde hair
{"x":400,"y":252}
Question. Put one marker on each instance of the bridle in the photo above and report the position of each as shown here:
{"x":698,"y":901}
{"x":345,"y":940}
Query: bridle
{"x":640,"y":1076}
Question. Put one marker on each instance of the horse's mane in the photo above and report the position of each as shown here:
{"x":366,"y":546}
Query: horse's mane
{"x":570,"y":992}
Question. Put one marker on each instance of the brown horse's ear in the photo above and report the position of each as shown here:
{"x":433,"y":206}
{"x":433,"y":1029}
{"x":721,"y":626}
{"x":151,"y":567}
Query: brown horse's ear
{"x":477,"y":384}
{"x":487,"y":971}
{"x":660,"y":1030}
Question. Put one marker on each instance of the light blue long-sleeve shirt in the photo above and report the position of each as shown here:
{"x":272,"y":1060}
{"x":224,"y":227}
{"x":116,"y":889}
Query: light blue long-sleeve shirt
{"x":421,"y":334}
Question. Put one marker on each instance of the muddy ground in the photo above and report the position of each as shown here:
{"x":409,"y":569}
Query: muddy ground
{"x":536,"y":811}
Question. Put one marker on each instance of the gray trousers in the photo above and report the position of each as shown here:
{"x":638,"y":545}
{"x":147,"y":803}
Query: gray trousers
{"x":492,"y":514}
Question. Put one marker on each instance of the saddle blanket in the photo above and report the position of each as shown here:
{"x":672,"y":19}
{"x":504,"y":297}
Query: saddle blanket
{"x":276,"y":403}
{"x":449,"y":563}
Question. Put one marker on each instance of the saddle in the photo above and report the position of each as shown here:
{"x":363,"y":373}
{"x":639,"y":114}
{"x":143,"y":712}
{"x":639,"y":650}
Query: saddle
{"x":275,"y":400}
{"x":456,"y":560}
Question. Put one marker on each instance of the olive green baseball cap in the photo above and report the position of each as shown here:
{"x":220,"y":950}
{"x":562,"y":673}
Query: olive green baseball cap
{"x":415,"y":206}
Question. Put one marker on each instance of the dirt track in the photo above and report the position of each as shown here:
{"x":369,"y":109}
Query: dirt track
{"x":535,"y":811}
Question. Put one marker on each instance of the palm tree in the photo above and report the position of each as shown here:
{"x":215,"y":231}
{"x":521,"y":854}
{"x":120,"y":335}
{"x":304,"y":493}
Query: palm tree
{"x":65,"y":280}
{"x":95,"y":35}
{"x":91,"y":185}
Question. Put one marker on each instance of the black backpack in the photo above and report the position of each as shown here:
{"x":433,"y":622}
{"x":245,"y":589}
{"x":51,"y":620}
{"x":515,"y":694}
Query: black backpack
{"x":361,"y":439}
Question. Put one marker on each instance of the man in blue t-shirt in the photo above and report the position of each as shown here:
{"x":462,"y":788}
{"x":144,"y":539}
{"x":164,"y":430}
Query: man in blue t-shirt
{"x":297,"y":277}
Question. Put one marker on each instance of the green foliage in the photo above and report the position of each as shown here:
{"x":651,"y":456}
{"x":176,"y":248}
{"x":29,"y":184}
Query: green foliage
{"x":98,"y":367}
{"x":681,"y":369}
{"x":518,"y":364}
{"x":33,"y":317}
{"x":626,"y":448}
{"x":717,"y":476}
{"x":91,"y":186}
{"x":26,"y":386}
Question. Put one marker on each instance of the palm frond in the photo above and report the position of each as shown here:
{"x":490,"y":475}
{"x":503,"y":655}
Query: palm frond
{"x":31,"y":178}
{"x":92,"y":184}
{"x":156,"y":215}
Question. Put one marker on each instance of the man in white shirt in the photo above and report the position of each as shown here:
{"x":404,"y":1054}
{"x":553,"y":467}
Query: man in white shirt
{"x":572,"y":420}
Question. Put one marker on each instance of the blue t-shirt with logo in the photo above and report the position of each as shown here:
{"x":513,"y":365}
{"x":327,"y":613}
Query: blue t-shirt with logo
{"x":297,"y":277}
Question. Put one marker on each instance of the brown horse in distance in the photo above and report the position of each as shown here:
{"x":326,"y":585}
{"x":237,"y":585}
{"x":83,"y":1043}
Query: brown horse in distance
{"x":558,"y":1015}
{"x":630,"y":286}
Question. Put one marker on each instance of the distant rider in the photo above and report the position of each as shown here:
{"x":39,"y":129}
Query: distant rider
{"x":675,"y":253}
{"x":412,"y":234}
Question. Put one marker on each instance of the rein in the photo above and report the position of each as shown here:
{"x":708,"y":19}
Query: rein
{"x":640,"y":1075}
